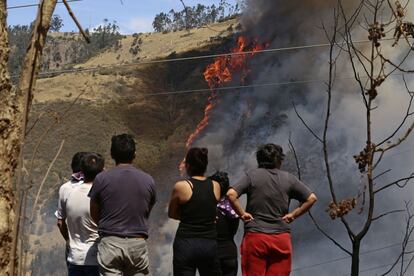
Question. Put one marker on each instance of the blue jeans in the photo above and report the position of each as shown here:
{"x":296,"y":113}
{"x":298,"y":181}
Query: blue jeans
{"x":82,"y":270}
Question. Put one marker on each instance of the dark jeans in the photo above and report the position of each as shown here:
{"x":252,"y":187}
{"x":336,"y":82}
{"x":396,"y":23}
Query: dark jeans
{"x":82,"y":270}
{"x":228,"y":266}
{"x":191,"y":254}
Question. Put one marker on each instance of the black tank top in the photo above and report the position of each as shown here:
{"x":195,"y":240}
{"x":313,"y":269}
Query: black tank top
{"x":198,"y":215}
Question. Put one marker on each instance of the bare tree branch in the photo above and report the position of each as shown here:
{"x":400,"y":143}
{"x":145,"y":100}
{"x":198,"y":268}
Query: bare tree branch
{"x":347,"y":37}
{"x":331,"y":79}
{"x":39,"y":117}
{"x":407,"y":115}
{"x":305,"y":124}
{"x":44,"y":179}
{"x":381,"y":174}
{"x":85,"y":36}
{"x":409,"y":228}
{"x":328,"y":236}
{"x":22,"y":206}
{"x":38,"y":195}
{"x":386,"y":214}
{"x":186,"y":15}
{"x":58,"y":118}
{"x":292,"y":148}
{"x":396,"y":183}
{"x":371,"y":62}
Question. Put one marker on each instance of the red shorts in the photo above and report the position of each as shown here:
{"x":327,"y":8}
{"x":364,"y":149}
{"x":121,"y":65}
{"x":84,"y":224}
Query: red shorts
{"x":266,"y":254}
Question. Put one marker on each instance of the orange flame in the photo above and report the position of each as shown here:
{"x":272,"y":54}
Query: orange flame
{"x":221,"y":71}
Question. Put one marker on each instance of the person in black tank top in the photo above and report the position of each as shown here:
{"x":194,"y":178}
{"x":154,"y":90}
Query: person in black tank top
{"x":227,"y":225}
{"x":193,"y":202}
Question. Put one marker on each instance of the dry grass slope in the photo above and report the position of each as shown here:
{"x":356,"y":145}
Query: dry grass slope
{"x":113,"y":102}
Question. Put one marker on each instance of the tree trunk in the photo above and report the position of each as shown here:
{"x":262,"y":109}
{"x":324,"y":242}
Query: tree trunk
{"x":14,"y":109}
{"x":32,"y":61}
{"x":9,"y":149}
{"x":355,"y":257}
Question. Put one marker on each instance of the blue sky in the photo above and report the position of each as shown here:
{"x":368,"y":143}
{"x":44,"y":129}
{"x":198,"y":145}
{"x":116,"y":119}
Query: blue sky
{"x":132,"y":16}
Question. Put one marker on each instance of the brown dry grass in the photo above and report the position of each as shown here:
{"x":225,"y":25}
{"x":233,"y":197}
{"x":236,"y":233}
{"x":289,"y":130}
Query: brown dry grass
{"x":159,"y":45}
{"x":114,"y":102}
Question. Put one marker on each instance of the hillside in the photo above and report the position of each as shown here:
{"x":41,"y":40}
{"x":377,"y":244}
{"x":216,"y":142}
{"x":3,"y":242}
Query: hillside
{"x":161,"y":45}
{"x":85,"y":109}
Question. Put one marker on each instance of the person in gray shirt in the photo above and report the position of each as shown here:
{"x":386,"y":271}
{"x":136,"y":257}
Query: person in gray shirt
{"x":266,"y":248}
{"x":121,"y":202}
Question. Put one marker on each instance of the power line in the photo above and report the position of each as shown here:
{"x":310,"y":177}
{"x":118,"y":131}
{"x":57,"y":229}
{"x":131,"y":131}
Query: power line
{"x":157,"y":61}
{"x":375,"y":267}
{"x":347,"y":257}
{"x":408,"y":150}
{"x":271,"y":84}
{"x":35,"y":5}
{"x":239,"y":87}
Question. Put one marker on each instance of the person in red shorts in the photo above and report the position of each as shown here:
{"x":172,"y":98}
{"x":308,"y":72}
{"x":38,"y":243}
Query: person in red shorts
{"x":266,"y":249}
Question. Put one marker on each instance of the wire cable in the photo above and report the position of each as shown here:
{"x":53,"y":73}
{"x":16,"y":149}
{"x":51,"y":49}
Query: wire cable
{"x":272,"y":84}
{"x":348,"y":257}
{"x":34,"y":5}
{"x":157,"y":61}
{"x":375,"y":267}
{"x":261,"y":85}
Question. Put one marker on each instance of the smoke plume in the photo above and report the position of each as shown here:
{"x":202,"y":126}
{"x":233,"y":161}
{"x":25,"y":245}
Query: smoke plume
{"x":246,"y":118}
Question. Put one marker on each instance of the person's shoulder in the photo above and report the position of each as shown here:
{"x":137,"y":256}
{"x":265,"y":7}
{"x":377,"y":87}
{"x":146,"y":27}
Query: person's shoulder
{"x":181,"y":185}
{"x":105,"y":173}
{"x":284,"y":173}
{"x":250,"y":171}
{"x":255,"y":171}
{"x":215,"y":183}
{"x":143,"y":175}
{"x":65,"y":186}
{"x":289,"y":177}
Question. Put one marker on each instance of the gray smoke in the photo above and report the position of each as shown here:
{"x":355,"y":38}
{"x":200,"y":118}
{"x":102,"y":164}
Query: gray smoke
{"x":233,"y":136}
{"x":246,"y":118}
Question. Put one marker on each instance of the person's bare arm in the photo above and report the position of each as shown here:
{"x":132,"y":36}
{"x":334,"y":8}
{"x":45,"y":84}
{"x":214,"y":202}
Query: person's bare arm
{"x":235,"y":203}
{"x":217,"y":190}
{"x":176,"y":195}
{"x":63,"y":228}
{"x":94,"y":209}
{"x":173,"y":207}
{"x":303,"y":208}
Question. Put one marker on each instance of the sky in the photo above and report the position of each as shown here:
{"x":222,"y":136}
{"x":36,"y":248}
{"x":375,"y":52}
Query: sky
{"x":132,"y":16}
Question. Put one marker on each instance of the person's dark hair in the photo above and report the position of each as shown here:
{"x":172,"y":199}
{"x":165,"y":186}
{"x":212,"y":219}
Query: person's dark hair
{"x":269,"y":155}
{"x":76,"y":161}
{"x":223,"y":179}
{"x":123,"y":148}
{"x":196,"y":161}
{"x":91,"y":165}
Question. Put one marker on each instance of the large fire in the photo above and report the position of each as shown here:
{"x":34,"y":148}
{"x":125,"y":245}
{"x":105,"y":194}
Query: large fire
{"x":220,"y":72}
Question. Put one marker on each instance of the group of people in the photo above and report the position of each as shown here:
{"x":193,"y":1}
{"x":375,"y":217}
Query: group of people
{"x":103,"y":215}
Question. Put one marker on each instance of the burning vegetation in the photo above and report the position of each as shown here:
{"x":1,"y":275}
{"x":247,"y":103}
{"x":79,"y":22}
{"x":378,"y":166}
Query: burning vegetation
{"x":224,"y":70}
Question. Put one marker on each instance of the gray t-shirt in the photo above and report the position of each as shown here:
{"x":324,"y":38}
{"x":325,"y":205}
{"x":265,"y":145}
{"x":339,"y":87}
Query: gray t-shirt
{"x":268,"y":196}
{"x":125,"y":196}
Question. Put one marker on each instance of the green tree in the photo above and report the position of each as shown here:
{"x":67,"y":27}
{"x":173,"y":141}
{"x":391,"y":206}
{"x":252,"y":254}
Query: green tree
{"x":56,"y":24}
{"x":194,"y":17}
